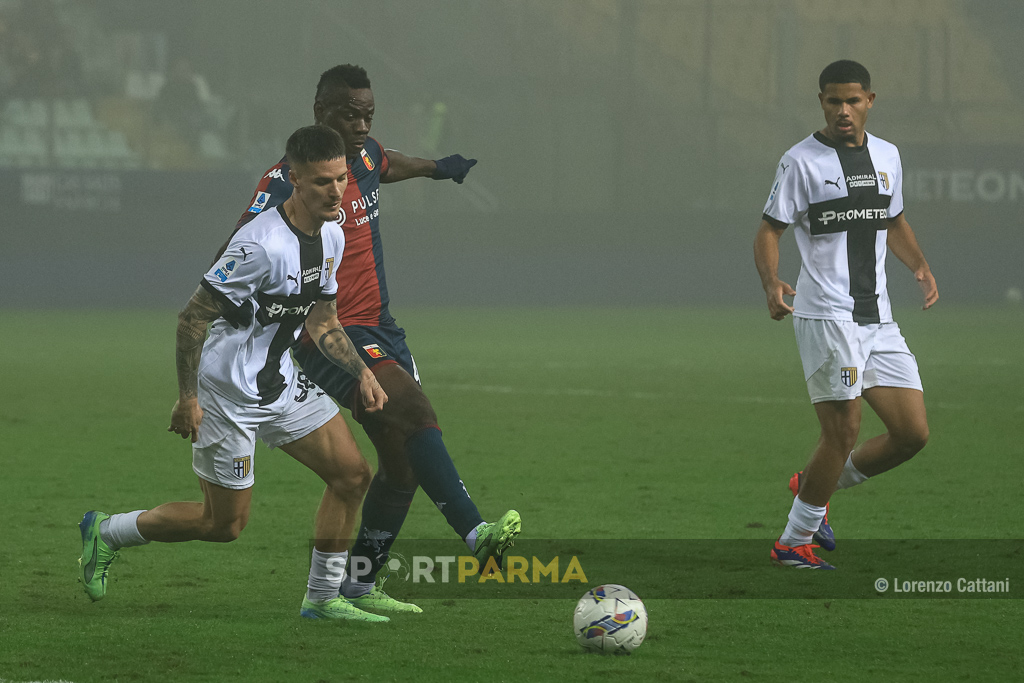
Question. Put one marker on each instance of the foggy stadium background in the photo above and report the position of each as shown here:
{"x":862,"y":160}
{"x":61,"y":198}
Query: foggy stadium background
{"x":626,"y":147}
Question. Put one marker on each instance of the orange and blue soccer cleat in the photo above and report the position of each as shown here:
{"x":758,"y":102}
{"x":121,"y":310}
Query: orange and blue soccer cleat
{"x":824,"y":535}
{"x":801,"y":557}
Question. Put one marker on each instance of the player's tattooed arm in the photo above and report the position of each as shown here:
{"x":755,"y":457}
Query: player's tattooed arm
{"x":193,"y":319}
{"x":201,"y":310}
{"x":330,"y":337}
{"x":323,"y":326}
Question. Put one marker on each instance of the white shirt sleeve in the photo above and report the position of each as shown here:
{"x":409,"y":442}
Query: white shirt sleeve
{"x":242,"y":271}
{"x":788,"y":198}
{"x":896,"y":205}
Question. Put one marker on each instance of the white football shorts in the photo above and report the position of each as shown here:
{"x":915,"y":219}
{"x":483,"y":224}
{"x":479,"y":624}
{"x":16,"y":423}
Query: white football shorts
{"x":841,"y":359}
{"x":224,"y":454}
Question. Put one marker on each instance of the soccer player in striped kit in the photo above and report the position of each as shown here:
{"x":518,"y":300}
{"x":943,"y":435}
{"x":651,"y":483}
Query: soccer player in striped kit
{"x":842,"y":190}
{"x":275,"y":277}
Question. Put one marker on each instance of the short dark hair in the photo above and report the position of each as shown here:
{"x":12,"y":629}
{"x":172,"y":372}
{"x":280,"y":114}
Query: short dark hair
{"x":312,"y":144}
{"x":845,"y":71}
{"x":346,"y":76}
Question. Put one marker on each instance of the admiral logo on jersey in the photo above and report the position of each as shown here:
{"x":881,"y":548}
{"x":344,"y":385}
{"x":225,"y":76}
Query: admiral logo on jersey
{"x":310,"y":274}
{"x":261,"y":202}
{"x":865,"y":180}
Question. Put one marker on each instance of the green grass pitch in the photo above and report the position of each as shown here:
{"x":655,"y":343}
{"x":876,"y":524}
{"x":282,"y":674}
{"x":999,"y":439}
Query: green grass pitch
{"x":593,"y":423}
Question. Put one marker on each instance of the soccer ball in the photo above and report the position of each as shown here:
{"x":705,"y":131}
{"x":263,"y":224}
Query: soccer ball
{"x":610,"y":618}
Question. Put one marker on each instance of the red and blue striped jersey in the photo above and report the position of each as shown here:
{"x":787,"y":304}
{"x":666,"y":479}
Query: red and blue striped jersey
{"x":362,"y":288}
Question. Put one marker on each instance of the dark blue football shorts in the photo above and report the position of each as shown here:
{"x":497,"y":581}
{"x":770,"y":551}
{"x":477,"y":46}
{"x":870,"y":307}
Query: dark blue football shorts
{"x":375,"y":345}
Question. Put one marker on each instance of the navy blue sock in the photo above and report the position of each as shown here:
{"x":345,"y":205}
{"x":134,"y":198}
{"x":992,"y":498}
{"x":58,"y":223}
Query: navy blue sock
{"x":384,"y":511}
{"x":439,"y":479}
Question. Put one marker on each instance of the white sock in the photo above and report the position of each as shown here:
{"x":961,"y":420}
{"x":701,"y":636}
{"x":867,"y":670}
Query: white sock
{"x":804,"y":520}
{"x":325,"y":573}
{"x":122,"y":530}
{"x":471,"y":536}
{"x":851,"y":476}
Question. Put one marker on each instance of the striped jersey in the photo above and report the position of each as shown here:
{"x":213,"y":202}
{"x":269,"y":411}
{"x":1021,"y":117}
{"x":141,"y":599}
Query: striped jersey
{"x":362,"y":287}
{"x":838,"y":200}
{"x":268,"y":279}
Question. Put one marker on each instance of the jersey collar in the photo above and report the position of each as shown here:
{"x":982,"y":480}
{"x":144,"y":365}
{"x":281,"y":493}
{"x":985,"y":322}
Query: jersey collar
{"x":829,"y":143}
{"x":302,"y":237}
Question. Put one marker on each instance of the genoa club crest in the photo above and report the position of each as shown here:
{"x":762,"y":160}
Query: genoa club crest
{"x":374,"y":351}
{"x":848,"y":375}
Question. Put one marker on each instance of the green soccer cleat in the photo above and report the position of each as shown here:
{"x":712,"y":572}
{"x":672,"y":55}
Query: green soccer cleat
{"x":336,"y":608}
{"x":379,"y":600}
{"x":495,"y":538}
{"x":96,"y":556}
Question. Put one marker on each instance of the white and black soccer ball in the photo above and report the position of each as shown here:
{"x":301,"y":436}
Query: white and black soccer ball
{"x":610,"y":618}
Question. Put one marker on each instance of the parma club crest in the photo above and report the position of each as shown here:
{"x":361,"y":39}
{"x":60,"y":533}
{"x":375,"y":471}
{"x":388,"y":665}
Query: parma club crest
{"x":883,"y":178}
{"x":848,"y":376}
{"x":243,"y":466}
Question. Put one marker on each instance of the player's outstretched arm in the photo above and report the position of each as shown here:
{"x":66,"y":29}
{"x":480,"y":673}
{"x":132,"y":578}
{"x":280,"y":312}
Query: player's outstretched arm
{"x":903,"y":244}
{"x":323,"y":326}
{"x":193,"y":319}
{"x":402,"y":167}
{"x":766,"y":258}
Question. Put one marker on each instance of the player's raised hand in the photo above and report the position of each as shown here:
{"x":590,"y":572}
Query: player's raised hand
{"x":455,"y":167}
{"x":777,"y":307}
{"x":185,"y":418}
{"x":373,"y":394}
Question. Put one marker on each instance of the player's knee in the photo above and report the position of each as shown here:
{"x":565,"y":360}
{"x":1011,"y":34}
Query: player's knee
{"x":353,"y":481}
{"x":841,"y":437}
{"x":226,"y":531}
{"x":912,"y":441}
{"x":415,"y":413}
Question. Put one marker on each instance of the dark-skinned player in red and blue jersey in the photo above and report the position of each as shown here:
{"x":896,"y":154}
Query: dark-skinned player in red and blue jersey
{"x":410,"y":450}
